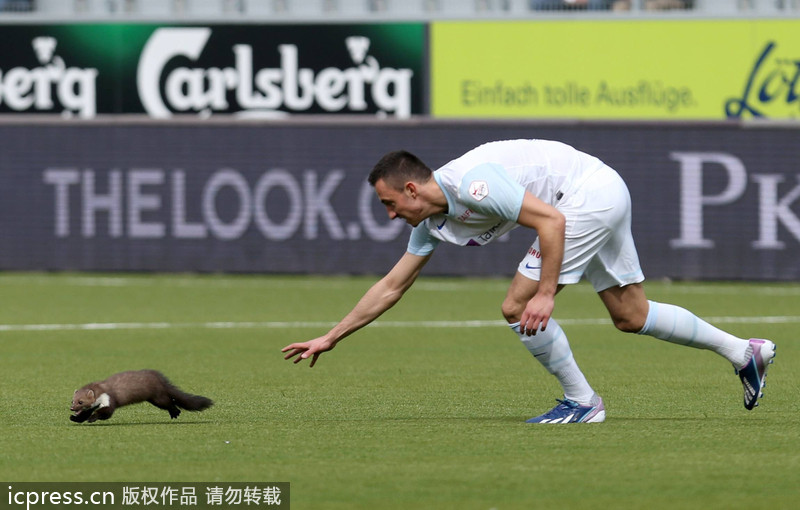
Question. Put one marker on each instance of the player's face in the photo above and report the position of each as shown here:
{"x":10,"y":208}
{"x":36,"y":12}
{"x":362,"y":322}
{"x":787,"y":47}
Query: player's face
{"x":403,"y":204}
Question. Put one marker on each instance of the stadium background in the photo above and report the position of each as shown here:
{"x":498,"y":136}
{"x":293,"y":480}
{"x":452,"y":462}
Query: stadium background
{"x":234,"y":136}
{"x":188,"y":166}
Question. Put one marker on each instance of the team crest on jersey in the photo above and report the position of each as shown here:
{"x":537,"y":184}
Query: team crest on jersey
{"x":478,"y":190}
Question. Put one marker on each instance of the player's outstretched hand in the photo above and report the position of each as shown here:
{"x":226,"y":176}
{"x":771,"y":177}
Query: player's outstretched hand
{"x":311,"y":349}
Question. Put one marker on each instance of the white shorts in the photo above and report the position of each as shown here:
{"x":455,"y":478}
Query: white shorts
{"x":598,"y":242}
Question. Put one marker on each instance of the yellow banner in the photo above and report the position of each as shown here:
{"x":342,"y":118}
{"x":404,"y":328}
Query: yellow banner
{"x":634,"y":69}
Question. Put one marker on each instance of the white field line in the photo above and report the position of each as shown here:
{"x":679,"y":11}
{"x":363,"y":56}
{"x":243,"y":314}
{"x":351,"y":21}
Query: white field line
{"x":105,"y":326}
{"x":499,"y":284}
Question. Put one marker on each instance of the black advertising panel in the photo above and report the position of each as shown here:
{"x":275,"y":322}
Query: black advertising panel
{"x":709,"y":201}
{"x":83,"y":70}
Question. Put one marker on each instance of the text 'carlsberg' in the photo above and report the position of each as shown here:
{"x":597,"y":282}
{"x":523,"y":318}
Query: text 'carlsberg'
{"x":266,"y":91}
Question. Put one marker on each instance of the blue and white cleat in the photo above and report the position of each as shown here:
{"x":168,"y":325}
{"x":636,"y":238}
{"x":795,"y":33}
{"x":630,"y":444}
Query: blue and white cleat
{"x":754,"y":371}
{"x":569,"y":411}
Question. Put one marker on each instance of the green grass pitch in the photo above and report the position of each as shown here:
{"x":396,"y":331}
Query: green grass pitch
{"x":421,"y":410}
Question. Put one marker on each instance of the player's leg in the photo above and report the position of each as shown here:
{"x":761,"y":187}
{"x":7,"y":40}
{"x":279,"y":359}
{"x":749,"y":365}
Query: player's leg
{"x":615,"y":273}
{"x":551,"y":348}
{"x":631,"y":311}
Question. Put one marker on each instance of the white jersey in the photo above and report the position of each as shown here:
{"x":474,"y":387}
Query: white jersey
{"x":485,"y":187}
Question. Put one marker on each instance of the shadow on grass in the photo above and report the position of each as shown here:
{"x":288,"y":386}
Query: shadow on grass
{"x":136,"y":423}
{"x":690,"y":419}
{"x":421,"y":419}
{"x":505,"y":420}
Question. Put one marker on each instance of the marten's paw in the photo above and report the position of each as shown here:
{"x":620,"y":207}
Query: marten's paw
{"x":81,"y":416}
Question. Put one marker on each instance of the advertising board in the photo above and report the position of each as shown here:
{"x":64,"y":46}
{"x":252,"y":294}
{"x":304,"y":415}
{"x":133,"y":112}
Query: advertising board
{"x":617,"y":69}
{"x":709,"y":202}
{"x":83,"y":70}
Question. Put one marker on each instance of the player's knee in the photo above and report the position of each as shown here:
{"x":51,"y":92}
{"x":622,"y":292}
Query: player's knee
{"x":512,"y":311}
{"x":629,"y":324}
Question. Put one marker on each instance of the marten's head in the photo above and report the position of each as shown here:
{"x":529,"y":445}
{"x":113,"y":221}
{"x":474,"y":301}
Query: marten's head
{"x":83,"y":405}
{"x":83,"y":400}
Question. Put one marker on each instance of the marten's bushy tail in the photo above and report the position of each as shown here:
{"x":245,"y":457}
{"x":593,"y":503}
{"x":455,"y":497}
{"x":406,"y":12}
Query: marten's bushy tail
{"x":187,"y":400}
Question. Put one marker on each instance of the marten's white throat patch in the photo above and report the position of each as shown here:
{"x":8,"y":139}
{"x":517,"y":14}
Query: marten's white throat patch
{"x":102,"y":401}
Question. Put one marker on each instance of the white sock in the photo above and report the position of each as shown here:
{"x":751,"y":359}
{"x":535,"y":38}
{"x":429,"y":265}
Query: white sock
{"x":551,"y":349}
{"x":679,"y":326}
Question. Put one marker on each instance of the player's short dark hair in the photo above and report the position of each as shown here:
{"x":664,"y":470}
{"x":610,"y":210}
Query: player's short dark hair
{"x":398,"y":167}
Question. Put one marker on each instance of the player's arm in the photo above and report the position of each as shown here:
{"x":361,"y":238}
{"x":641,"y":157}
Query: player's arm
{"x":550,"y":225}
{"x":379,"y":298}
{"x":507,"y":199}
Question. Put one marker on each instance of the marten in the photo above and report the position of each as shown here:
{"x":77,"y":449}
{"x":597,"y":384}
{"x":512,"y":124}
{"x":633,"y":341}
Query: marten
{"x":99,"y":400}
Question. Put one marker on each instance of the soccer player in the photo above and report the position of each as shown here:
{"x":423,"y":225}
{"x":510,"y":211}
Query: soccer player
{"x":581,"y":211}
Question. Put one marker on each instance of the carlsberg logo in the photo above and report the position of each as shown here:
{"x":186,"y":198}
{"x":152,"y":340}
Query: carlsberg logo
{"x":50,"y":86}
{"x":264,"y":91}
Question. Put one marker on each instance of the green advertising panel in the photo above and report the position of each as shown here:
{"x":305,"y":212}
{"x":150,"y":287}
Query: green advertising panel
{"x":246,"y":70}
{"x":622,"y":69}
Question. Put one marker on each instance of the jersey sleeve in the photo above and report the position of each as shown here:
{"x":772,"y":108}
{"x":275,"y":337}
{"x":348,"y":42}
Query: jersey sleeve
{"x":421,"y":241}
{"x":488,"y":189}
